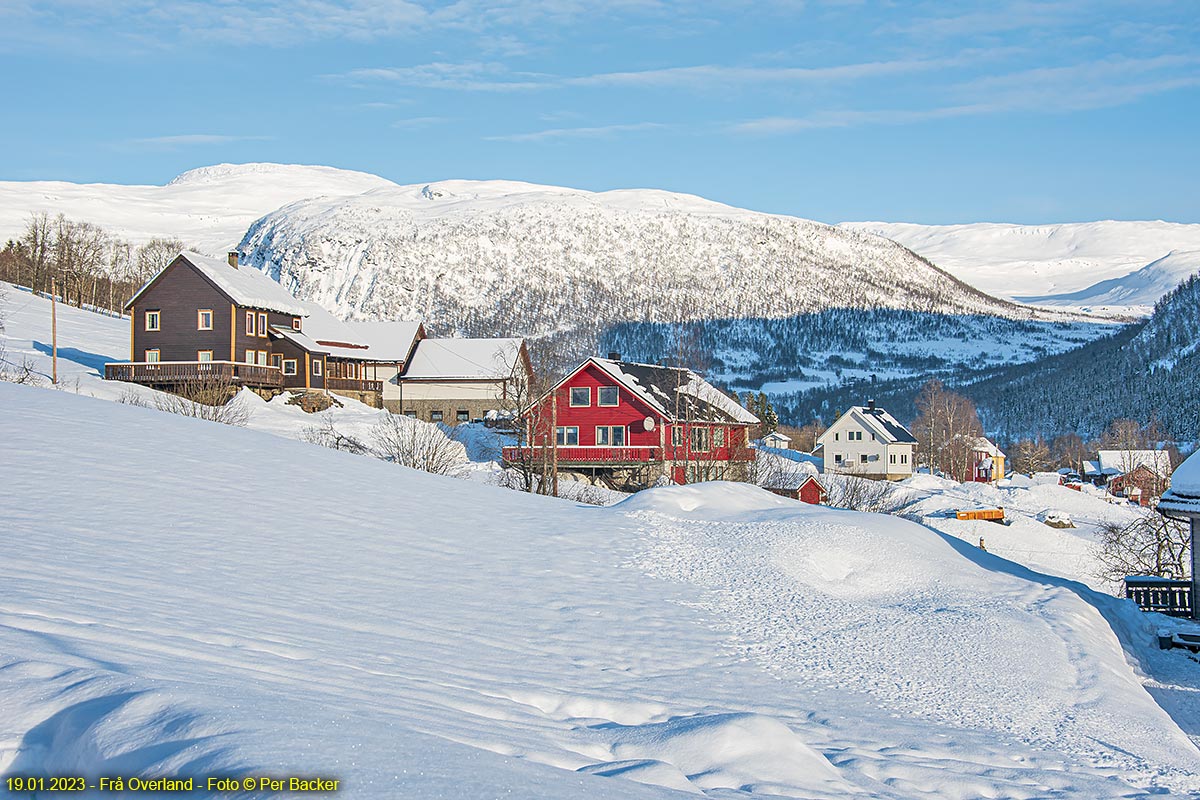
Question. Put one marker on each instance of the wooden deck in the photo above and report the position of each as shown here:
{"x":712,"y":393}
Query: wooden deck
{"x":583,"y":456}
{"x":352,"y":385}
{"x":177,"y":373}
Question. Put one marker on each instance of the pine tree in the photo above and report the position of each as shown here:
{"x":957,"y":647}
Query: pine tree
{"x":766,"y":413}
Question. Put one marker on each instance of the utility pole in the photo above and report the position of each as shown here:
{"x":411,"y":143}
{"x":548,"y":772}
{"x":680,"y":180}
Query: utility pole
{"x":54,"y":332}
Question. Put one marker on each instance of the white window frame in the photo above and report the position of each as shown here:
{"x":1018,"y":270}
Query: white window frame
{"x":563,"y":435}
{"x":157,"y":317}
{"x":609,"y":435}
{"x":718,"y":437}
{"x":317,"y":367}
{"x":676,"y":436}
{"x":295,"y":323}
{"x":616,"y":392}
{"x":153,"y":355}
{"x":262,"y":358}
{"x":251,"y":356}
{"x":571,"y":397}
{"x":701,"y":436}
{"x":294,"y":365}
{"x":200,"y":315}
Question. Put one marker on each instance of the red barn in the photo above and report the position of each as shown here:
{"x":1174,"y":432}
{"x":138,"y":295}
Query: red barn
{"x":804,"y":487}
{"x":628,"y":425}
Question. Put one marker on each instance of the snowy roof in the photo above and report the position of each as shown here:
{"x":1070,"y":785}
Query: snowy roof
{"x":777,"y":436}
{"x":1118,"y":462}
{"x":321,"y":326}
{"x":298,"y":338}
{"x":675,"y":389}
{"x":885,"y":427}
{"x":246,"y":287}
{"x":1184,"y":495}
{"x":791,"y":481}
{"x":986,"y":445}
{"x":1091,"y":468}
{"x":390,"y":341}
{"x":464,"y":358}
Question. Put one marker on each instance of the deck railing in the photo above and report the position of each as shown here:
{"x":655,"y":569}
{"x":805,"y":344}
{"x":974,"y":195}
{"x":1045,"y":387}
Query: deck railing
{"x":179,"y":372}
{"x":583,"y":455}
{"x":353,"y":385}
{"x":1164,"y":595}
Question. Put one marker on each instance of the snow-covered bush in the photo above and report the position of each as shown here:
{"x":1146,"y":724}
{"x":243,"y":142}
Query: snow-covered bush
{"x":412,"y":443}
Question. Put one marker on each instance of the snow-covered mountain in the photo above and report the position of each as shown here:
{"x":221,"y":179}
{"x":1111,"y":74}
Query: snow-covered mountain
{"x":209,"y":208}
{"x":1101,"y":266}
{"x":490,"y":257}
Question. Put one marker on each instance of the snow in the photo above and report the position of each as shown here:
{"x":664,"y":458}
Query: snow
{"x":478,"y":642}
{"x":464,"y":358}
{"x":390,"y":341}
{"x":1106,"y":267}
{"x":209,"y":208}
{"x":1184,"y":495}
{"x":1118,"y":462}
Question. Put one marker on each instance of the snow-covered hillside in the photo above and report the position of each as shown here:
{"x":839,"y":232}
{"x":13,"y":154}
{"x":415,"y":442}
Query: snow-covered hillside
{"x":1105,"y":266}
{"x":209,"y":208}
{"x":161,"y":615}
{"x":500,"y":258}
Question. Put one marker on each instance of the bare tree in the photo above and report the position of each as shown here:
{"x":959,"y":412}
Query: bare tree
{"x":326,"y":433}
{"x":210,"y":399}
{"x":947,"y":428}
{"x":1031,"y":455}
{"x":1070,"y":451}
{"x":856,"y":493}
{"x":1150,"y":545}
{"x":412,"y":443}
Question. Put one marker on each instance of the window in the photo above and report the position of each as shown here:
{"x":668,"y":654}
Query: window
{"x":262,"y":324}
{"x":837,"y":458}
{"x":249,"y":323}
{"x":892,"y":458}
{"x":606,"y":396}
{"x":204,"y":319}
{"x":837,"y":436}
{"x":904,"y":458}
{"x":610,"y":436}
{"x":700,"y":440}
{"x":262,"y":358}
{"x":152,"y":356}
{"x":581,"y":396}
{"x":276,"y":360}
{"x":435,"y":416}
{"x":462,"y":415}
{"x":317,"y":365}
{"x":718,"y":437}
{"x":410,"y":413}
{"x":251,"y":356}
{"x":152,"y":320}
{"x":295,"y":323}
{"x":204,"y":355}
{"x":862,"y":459}
{"x":566,"y":436}
{"x":289,"y":366}
{"x":677,"y":436}
{"x":854,"y":436}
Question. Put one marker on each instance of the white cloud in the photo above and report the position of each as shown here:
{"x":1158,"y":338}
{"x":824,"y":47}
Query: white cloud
{"x":576,"y":133}
{"x":190,"y":139}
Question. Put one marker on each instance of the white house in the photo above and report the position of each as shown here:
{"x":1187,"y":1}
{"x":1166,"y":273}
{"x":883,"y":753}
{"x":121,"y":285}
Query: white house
{"x":868,"y":441}
{"x":1119,"y":462}
{"x":777,"y":440}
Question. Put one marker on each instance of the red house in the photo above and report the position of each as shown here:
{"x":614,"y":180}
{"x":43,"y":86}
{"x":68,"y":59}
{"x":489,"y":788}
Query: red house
{"x":804,"y":487}
{"x":629,"y":425}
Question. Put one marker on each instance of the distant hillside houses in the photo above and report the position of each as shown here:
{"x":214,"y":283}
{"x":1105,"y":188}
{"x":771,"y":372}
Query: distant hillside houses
{"x":203,"y":320}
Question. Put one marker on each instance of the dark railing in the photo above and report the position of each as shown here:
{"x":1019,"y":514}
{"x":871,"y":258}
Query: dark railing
{"x":166,"y":373}
{"x":352,"y":385}
{"x":1164,"y":595}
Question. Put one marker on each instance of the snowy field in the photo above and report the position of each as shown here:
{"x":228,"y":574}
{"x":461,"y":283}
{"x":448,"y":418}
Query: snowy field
{"x":418,"y":636}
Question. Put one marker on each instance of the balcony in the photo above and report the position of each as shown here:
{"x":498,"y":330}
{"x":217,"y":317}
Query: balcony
{"x":352,"y":385}
{"x":176,"y":373}
{"x":583,"y":456}
{"x":1164,"y":595}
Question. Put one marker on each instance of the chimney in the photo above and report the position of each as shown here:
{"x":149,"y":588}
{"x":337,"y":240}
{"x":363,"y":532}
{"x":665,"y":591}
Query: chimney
{"x":232,"y":257}
{"x":871,"y":405}
{"x":614,"y":356}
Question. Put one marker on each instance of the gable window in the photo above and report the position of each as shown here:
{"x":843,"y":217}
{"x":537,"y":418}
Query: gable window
{"x":289,"y":366}
{"x":317,"y":363}
{"x":462,"y":415}
{"x":436,"y":416}
{"x":567,"y":436}
{"x":204,"y":355}
{"x":204,"y":319}
{"x":606,"y":396}
{"x":152,"y":320}
{"x":249,"y":323}
{"x":610,"y":436}
{"x":581,"y":396}
{"x":295,"y":323}
{"x":700,"y":440}
{"x":153,"y":356}
{"x":262,"y":324}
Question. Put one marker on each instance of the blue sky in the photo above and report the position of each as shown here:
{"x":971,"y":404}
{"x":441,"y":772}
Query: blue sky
{"x":932,"y":112}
